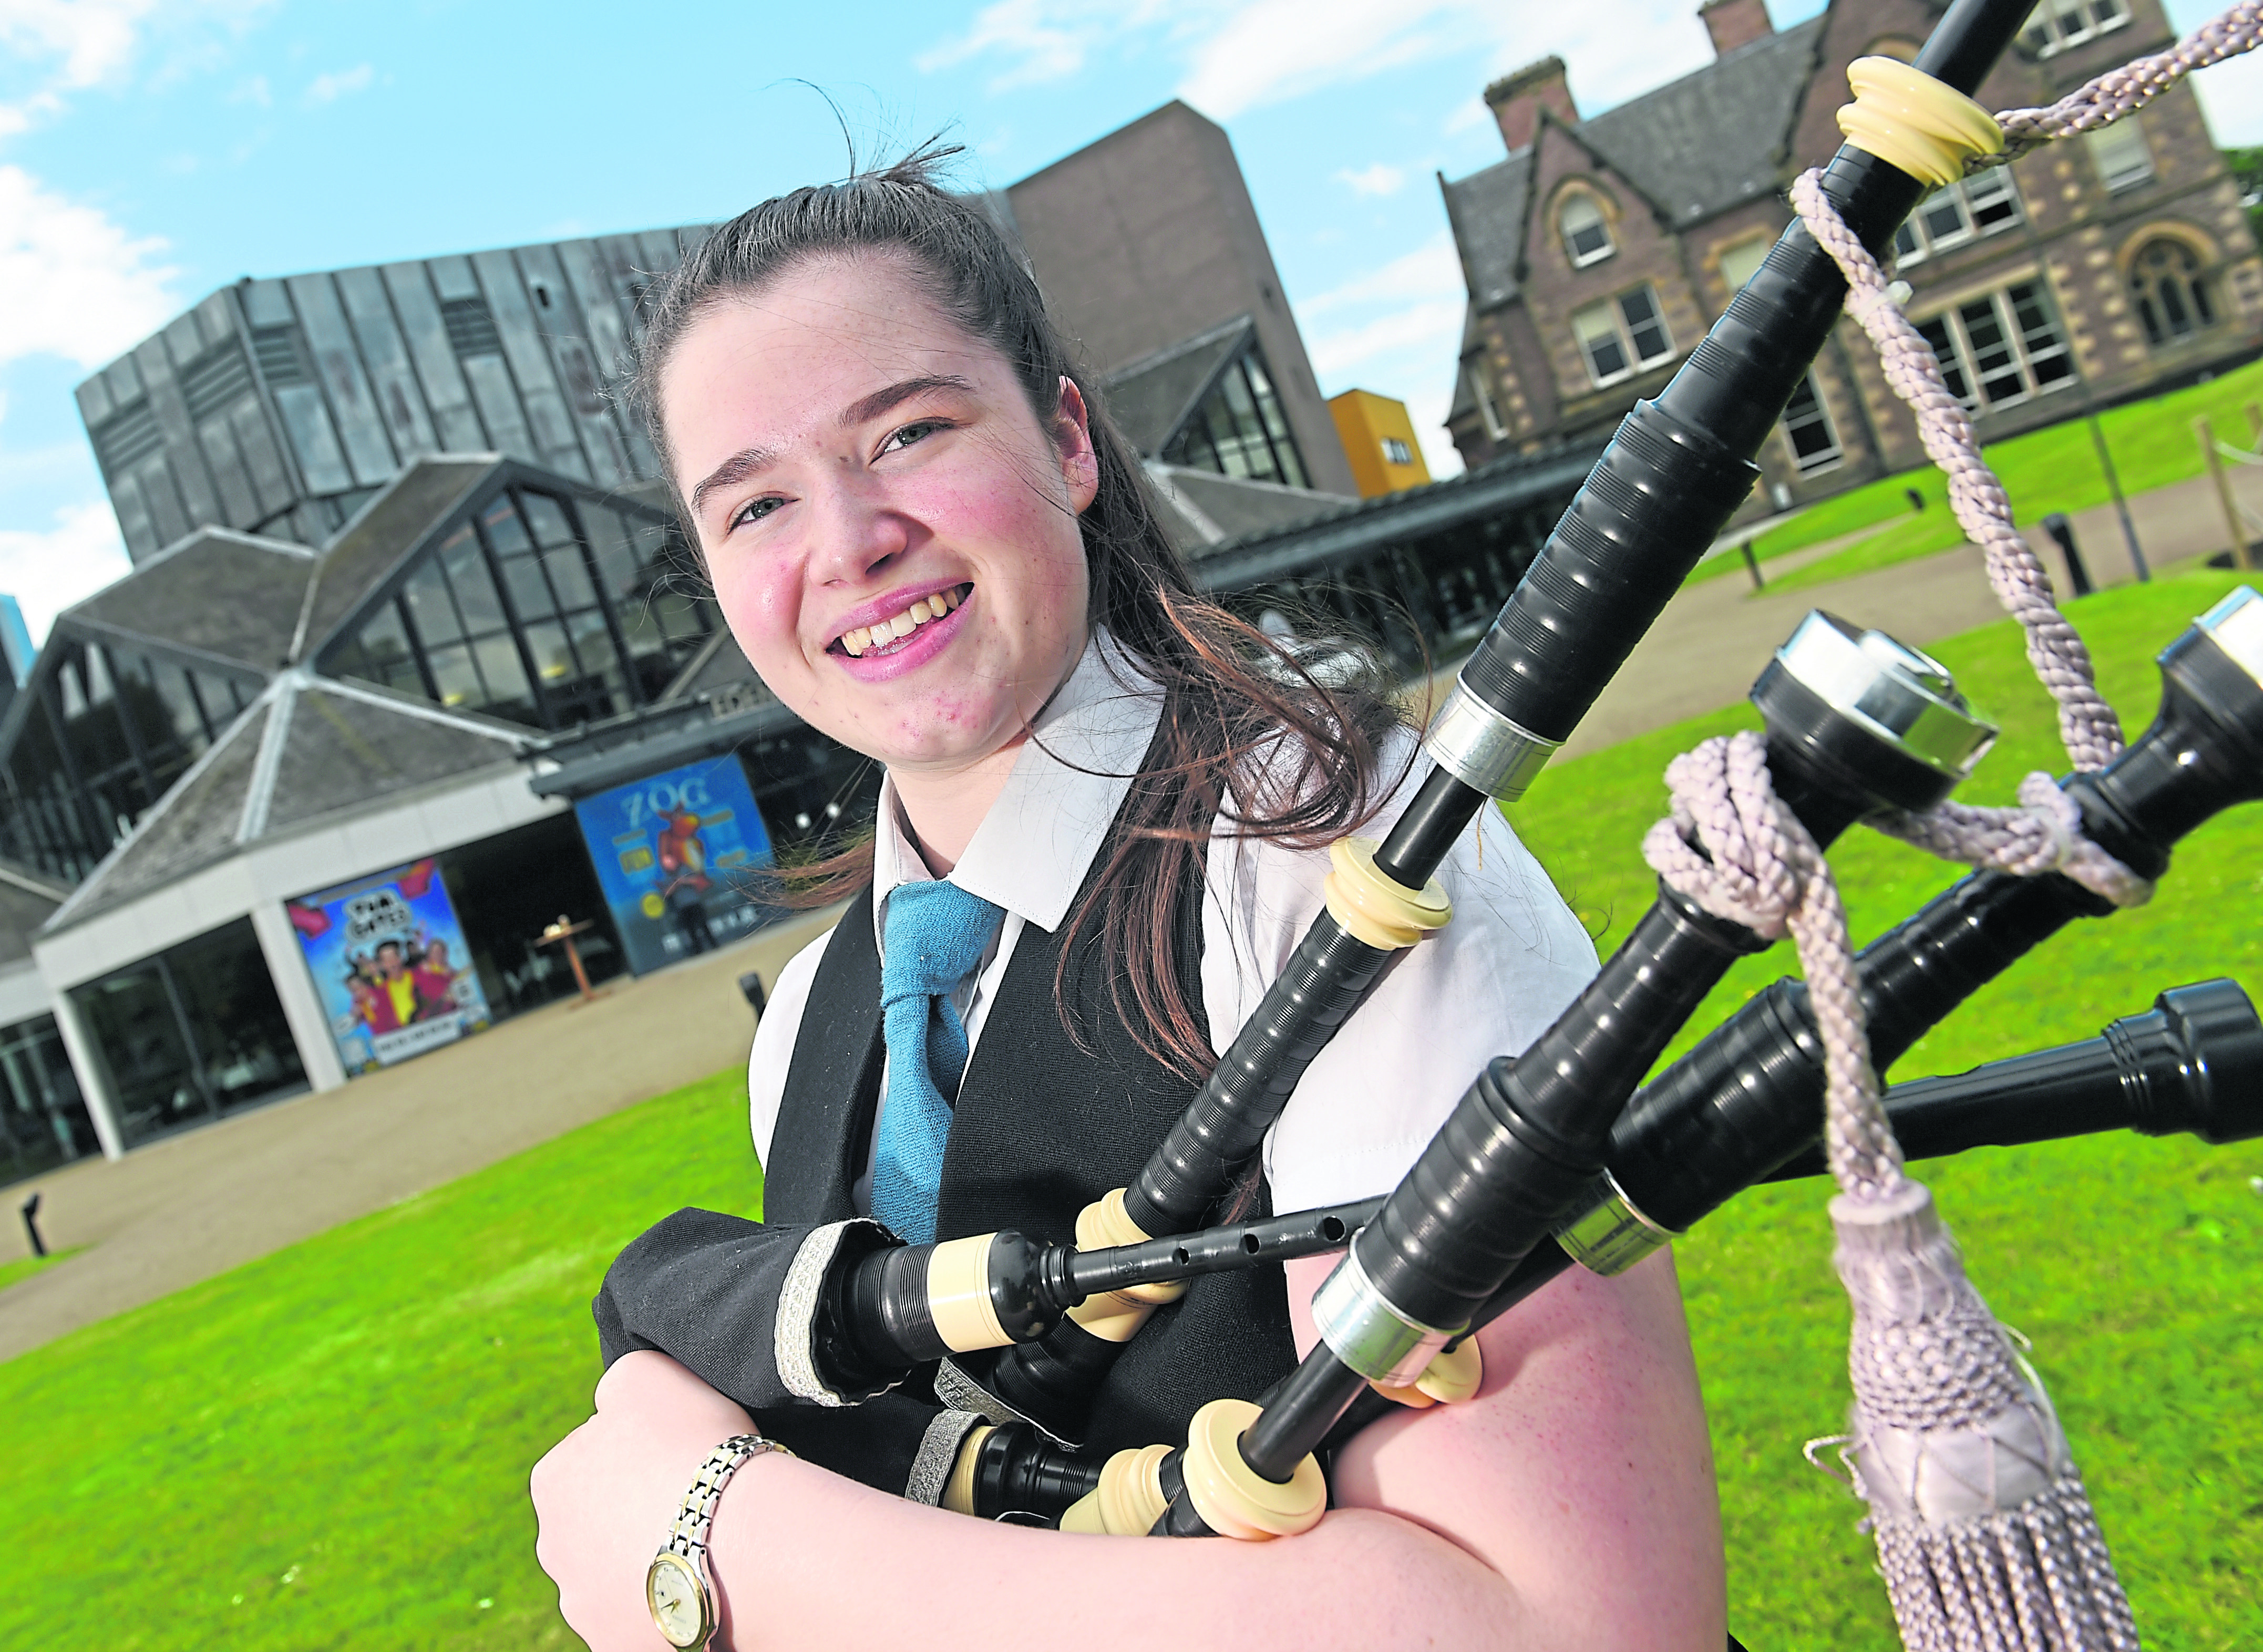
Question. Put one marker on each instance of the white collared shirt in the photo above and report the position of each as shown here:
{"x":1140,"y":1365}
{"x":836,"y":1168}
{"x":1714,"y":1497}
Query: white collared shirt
{"x":1487,"y":985}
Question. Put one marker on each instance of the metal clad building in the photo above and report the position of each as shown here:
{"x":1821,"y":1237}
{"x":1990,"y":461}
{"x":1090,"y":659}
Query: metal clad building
{"x":279,"y":408}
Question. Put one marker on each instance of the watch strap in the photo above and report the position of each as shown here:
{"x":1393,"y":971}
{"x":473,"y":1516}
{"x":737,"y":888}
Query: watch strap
{"x":687,"y":1536}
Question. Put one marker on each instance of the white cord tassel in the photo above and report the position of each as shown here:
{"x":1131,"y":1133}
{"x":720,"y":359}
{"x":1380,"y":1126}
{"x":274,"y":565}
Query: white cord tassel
{"x":1984,"y":1533}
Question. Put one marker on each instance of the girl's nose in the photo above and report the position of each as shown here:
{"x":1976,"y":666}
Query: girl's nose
{"x":858,"y":534}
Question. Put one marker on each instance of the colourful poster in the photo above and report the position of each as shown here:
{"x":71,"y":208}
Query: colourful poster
{"x":671,"y":851}
{"x":389,"y":962}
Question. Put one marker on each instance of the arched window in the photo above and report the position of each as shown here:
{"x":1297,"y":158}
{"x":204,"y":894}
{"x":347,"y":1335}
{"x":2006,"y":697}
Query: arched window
{"x":1587,"y":237}
{"x":2165,"y":285}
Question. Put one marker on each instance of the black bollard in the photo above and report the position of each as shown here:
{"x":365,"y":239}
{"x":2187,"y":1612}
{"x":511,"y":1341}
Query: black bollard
{"x":32,"y":1225}
{"x":2063,"y":530}
{"x":750,"y":984}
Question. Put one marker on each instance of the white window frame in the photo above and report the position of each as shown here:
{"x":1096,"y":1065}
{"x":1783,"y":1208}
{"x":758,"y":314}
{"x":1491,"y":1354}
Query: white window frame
{"x":1405,"y":455}
{"x":1810,"y":463}
{"x":2124,"y":159}
{"x":1580,"y":201}
{"x":2028,"y":352}
{"x":1481,"y":393}
{"x":2055,"y":26}
{"x":1616,"y":325}
{"x":1983,"y":193}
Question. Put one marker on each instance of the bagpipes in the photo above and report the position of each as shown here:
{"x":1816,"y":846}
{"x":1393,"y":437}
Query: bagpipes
{"x":1561,"y":1156}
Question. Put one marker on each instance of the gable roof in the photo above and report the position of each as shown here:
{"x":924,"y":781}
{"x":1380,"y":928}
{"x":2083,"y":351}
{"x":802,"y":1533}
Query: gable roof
{"x":390,"y":527}
{"x":223,"y":595}
{"x":1202,"y":508}
{"x":311,"y":748}
{"x":1715,"y":138}
{"x":1486,"y":212}
{"x":1151,"y":398}
{"x":1693,"y":147}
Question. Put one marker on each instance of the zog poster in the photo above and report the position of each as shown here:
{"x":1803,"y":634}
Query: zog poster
{"x":666,"y":849}
{"x":390,"y":965}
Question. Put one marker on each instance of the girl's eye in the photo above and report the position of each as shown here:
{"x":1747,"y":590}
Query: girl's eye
{"x":756,"y":510}
{"x":918,"y":430}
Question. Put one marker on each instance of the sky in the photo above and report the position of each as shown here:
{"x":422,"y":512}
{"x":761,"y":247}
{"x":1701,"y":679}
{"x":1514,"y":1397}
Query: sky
{"x":152,"y":150}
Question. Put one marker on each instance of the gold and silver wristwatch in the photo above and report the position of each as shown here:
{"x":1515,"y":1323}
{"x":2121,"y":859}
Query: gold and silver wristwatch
{"x":675,"y":1585}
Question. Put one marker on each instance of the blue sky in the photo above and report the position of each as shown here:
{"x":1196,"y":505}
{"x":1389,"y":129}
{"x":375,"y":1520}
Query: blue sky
{"x":151,"y":150}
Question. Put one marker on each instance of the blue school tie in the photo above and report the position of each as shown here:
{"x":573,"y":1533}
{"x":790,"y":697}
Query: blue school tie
{"x":936,"y":933}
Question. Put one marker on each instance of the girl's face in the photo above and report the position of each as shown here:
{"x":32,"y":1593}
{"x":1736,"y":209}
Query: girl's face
{"x":891,"y":531}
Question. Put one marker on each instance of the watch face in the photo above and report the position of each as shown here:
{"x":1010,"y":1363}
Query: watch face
{"x":678,"y":1601}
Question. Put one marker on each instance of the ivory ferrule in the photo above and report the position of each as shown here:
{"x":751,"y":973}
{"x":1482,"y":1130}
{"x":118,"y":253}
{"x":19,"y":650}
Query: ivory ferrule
{"x":1371,"y":1337}
{"x":958,"y":1296}
{"x":1376,"y":908}
{"x":1910,"y":120}
{"x":1117,"y":1315}
{"x":1128,"y":1499}
{"x":1455,"y":1375}
{"x":1234,"y":1499}
{"x":1484,"y":750}
{"x":1611,"y":1234}
{"x":959,"y":1490}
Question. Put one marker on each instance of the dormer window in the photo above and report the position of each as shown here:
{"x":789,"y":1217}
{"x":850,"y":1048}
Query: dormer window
{"x":1587,"y":237}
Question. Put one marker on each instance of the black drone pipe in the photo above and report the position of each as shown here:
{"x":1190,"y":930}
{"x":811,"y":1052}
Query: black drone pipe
{"x":1530,"y":1134}
{"x":2191,"y":1064}
{"x":1452,"y":1234}
{"x":1675,"y":470}
{"x":1748,"y":1097}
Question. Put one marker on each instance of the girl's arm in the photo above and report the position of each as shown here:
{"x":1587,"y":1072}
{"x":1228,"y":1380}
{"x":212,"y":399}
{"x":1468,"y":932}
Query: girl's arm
{"x":1570,"y":1504}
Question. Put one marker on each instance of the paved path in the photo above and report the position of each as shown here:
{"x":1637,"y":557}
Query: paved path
{"x":191,"y":1206}
{"x":196,"y":1203}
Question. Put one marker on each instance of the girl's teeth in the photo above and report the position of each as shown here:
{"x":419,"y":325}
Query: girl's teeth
{"x":920,"y":613}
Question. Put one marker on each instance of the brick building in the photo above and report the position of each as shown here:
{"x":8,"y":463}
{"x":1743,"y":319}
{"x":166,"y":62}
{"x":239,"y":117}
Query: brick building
{"x":1600,"y":250}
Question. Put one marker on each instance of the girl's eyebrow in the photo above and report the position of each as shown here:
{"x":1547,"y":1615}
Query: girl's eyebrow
{"x":880,"y":401}
{"x":748,"y":461}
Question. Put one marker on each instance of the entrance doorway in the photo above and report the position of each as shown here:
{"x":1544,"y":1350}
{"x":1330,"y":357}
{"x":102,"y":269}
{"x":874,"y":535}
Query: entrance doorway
{"x":506,"y":890}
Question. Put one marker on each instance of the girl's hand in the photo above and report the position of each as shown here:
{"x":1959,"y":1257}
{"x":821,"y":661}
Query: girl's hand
{"x":605,"y":1495}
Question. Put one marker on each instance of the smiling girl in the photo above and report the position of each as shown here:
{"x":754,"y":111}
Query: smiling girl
{"x":1106,"y":803}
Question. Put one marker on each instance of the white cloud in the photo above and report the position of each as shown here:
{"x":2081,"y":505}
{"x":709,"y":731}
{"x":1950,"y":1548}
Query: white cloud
{"x":1042,"y":39}
{"x":1376,"y":178}
{"x":1432,"y":270}
{"x":1272,"y":50}
{"x":1242,"y":56}
{"x":327,"y":89}
{"x":94,"y":39}
{"x":254,"y":90}
{"x":48,"y":572}
{"x":72,"y":283}
{"x":1431,"y":329}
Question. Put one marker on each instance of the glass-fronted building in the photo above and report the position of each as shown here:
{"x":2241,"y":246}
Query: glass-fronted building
{"x":232,"y":727}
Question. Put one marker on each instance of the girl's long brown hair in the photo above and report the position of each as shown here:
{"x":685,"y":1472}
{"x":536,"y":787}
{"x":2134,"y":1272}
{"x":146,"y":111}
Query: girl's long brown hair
{"x":1248,"y":730}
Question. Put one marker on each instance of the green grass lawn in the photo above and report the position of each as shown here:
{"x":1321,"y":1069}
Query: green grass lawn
{"x":2132,"y":1263}
{"x":25,"y":1266}
{"x":2055,"y":468}
{"x":328,"y":1447}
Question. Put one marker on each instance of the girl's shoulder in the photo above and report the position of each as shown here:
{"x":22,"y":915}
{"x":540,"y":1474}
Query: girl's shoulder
{"x":775,"y":1035}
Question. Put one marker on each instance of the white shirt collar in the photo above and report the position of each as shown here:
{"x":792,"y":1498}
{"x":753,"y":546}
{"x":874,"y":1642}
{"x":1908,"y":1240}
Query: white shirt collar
{"x":1032,"y":851}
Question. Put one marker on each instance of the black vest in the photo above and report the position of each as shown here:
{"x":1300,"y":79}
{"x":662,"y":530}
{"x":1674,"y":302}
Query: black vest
{"x":1040,"y":1129}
